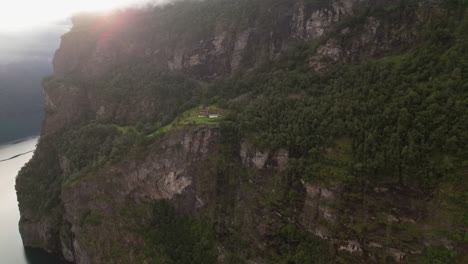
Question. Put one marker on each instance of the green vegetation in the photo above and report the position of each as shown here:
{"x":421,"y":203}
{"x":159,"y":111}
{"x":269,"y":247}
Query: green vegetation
{"x":176,"y":238}
{"x":270,"y":204}
{"x":438,"y":256}
{"x":405,"y":116}
{"x":191,"y":117}
{"x":157,"y":96}
{"x":90,"y":218}
{"x":40,"y":189}
{"x":299,"y":247}
{"x":95,"y":144}
{"x":399,"y":120}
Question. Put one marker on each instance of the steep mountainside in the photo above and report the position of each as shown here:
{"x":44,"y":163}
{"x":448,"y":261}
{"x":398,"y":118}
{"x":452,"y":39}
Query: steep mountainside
{"x":340,"y":138}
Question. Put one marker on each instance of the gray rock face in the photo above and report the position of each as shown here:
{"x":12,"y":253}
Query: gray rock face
{"x":267,"y":159}
{"x":38,"y":234}
{"x":318,"y":206}
{"x":312,"y":25}
{"x":99,"y":44}
{"x":164,"y":174}
{"x":326,"y":54}
{"x":94,"y":48}
{"x":64,"y":105}
{"x":167,"y":172}
{"x":241,"y":43}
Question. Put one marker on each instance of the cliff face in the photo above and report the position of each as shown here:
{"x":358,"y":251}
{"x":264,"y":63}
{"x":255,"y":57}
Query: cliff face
{"x":214,"y":46}
{"x":168,"y":172}
{"x":122,"y":131}
{"x":211,"y":48}
{"x":94,"y":207}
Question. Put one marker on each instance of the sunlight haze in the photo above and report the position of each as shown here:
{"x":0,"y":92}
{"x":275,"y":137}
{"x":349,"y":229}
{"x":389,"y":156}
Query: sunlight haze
{"x":29,"y":14}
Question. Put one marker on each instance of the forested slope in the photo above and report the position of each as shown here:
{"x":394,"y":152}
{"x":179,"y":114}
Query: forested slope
{"x":341,"y":138}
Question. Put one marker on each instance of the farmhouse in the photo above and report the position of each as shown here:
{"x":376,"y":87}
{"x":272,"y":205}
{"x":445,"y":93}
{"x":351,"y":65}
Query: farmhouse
{"x":206,"y":112}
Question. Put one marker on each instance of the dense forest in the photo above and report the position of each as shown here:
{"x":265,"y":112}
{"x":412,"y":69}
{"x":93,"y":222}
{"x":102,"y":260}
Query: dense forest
{"x":404,"y":116}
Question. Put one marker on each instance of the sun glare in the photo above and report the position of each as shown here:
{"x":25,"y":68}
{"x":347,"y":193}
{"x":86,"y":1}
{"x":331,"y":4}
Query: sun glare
{"x":18,"y":15}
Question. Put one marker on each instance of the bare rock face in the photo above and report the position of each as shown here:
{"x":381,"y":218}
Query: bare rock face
{"x":326,"y":54}
{"x":164,"y":174}
{"x":38,"y":234}
{"x":318,"y":206}
{"x":314,"y":25}
{"x":96,"y":45}
{"x":240,"y":45}
{"x":167,"y":172}
{"x":375,"y":38}
{"x":267,"y":159}
{"x":64,"y":105}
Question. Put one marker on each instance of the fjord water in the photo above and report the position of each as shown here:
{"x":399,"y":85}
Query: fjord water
{"x":11,"y":247}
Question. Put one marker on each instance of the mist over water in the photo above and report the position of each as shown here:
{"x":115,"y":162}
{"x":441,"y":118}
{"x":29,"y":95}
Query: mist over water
{"x":38,"y":44}
{"x":11,"y":245}
{"x":25,"y":59}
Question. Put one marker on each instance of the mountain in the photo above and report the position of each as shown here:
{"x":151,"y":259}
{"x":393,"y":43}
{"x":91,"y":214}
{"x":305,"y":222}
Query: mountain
{"x":22,"y":94}
{"x":24,"y":61}
{"x":340,"y":138}
{"x":21,"y":105}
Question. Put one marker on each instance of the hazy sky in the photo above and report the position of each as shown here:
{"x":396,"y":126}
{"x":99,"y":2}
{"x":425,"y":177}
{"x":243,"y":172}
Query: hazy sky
{"x":19,"y":15}
{"x":35,"y":44}
{"x":31,"y":29}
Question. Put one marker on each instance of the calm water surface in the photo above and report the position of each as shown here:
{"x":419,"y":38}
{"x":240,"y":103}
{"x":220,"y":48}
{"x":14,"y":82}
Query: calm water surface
{"x":11,"y":246}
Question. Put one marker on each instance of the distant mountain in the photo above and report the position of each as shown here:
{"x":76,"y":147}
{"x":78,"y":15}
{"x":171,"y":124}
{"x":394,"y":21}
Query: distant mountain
{"x":20,"y":87}
{"x":34,"y":44}
{"x":21,"y":100}
{"x":25,"y":59}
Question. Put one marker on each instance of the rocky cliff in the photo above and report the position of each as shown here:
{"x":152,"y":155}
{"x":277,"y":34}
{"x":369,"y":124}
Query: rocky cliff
{"x":124,"y":131}
{"x":212,"y":45}
{"x":94,"y":205}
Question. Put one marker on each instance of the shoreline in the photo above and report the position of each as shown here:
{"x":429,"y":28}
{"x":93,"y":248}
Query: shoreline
{"x":16,"y":156}
{"x":17,"y":141}
{"x":6,"y":155}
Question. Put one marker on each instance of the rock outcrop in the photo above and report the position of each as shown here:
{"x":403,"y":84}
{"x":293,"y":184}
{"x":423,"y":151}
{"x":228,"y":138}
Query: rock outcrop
{"x":267,"y":159}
